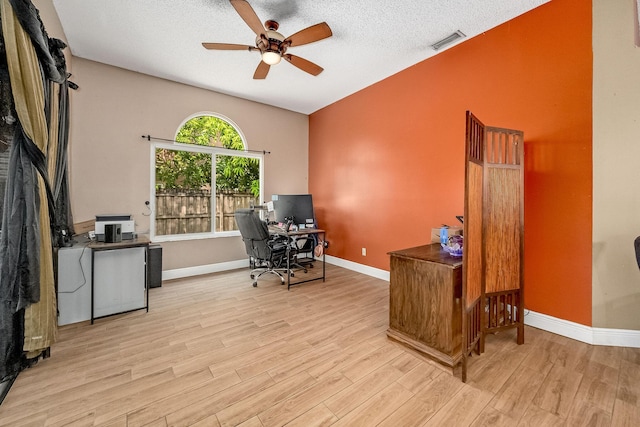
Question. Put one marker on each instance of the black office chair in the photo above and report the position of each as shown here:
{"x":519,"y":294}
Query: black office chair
{"x":636,"y":244}
{"x":266,"y":253}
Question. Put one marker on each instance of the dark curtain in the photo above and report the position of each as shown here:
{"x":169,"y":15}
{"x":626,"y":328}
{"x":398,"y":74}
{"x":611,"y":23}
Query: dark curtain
{"x":33,"y":168}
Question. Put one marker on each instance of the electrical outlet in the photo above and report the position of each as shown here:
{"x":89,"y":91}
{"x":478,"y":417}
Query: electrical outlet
{"x":364,"y":251}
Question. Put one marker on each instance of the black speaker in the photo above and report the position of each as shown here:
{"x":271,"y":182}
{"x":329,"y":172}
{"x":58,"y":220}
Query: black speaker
{"x":154,"y":266}
{"x":112,"y":233}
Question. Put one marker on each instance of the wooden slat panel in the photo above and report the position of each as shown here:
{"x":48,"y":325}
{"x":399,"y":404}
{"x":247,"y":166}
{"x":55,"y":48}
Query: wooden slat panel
{"x":473,"y":229}
{"x":503,"y":146}
{"x":473,"y":235}
{"x":474,"y":139}
{"x":473,"y":324}
{"x":502,"y":230}
{"x":503,"y":310}
{"x":472,"y":258}
{"x":503,"y":221}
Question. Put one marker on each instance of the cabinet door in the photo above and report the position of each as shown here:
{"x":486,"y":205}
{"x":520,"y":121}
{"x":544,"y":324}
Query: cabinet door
{"x":119,"y":281}
{"x":74,"y":284}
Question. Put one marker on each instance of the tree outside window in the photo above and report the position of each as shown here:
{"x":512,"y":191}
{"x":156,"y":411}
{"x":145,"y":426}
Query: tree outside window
{"x":193,"y":197}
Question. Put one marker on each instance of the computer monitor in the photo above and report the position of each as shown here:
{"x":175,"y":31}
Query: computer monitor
{"x":296,"y":206}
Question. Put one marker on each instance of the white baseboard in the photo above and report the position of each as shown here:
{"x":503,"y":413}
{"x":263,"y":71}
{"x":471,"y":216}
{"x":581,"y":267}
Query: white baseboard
{"x":557,"y":326}
{"x":354,"y":266}
{"x":233,"y":265}
{"x":587,"y":334}
{"x":179,"y":273}
{"x":616,"y":337}
{"x":576,"y":331}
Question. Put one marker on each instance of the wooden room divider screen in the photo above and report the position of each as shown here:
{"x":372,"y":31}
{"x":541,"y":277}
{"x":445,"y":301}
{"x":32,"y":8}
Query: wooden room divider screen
{"x":493,"y":261}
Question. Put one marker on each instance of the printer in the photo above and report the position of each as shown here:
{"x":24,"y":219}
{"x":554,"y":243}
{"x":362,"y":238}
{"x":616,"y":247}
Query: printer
{"x":112,"y":228}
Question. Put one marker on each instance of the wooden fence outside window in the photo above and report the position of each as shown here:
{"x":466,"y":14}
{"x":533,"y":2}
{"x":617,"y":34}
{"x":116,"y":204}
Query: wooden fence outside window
{"x":179,"y":212}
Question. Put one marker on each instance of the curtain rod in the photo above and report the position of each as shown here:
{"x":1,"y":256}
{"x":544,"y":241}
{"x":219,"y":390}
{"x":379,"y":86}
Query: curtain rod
{"x":149,"y":138}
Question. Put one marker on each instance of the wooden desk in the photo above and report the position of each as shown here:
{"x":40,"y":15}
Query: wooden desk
{"x":299,"y":233}
{"x":425,"y":309}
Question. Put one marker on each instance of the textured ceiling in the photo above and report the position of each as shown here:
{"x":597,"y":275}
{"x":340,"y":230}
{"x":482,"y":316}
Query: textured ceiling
{"x":371,"y":40}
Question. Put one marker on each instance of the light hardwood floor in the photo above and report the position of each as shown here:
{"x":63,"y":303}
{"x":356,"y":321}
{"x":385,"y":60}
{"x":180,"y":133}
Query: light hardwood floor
{"x":214,"y":351}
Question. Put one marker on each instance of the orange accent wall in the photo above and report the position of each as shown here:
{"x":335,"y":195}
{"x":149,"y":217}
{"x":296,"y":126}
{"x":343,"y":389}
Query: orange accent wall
{"x":386,"y":164}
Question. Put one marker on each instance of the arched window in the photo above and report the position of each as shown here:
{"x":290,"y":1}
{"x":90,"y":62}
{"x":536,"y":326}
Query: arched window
{"x":201,"y":179}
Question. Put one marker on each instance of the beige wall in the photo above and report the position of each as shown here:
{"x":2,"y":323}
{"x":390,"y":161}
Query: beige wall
{"x":110,"y":164}
{"x":616,"y":165}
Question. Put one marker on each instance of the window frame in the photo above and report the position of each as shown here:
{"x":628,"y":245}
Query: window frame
{"x":214,"y":152}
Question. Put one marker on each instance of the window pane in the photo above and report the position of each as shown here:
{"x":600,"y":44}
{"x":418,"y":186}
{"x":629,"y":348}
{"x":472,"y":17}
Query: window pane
{"x":191,"y":196}
{"x":237,"y":186}
{"x":183,"y":192}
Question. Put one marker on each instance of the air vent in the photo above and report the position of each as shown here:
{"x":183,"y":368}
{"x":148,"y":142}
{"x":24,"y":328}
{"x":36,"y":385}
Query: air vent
{"x":448,"y":40}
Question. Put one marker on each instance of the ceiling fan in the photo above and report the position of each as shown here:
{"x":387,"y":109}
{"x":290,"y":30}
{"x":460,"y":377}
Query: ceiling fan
{"x":271,"y":44}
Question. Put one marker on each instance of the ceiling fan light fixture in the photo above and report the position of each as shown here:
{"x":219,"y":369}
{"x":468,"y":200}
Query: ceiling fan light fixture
{"x":271,"y":57}
{"x":271,"y":44}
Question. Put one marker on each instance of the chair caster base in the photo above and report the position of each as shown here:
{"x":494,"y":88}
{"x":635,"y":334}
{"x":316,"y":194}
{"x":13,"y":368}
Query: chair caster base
{"x":255,"y":284}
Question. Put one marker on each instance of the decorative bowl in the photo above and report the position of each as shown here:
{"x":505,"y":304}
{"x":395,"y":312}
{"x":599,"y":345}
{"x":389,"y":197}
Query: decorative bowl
{"x":454,"y":246}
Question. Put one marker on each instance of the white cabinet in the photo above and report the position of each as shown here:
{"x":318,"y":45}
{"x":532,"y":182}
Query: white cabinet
{"x":74,"y":284}
{"x":119,"y":280}
{"x":100,"y":279}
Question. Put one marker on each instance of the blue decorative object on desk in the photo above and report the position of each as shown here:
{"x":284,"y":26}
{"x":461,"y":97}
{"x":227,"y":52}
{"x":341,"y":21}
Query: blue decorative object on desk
{"x":444,"y":235}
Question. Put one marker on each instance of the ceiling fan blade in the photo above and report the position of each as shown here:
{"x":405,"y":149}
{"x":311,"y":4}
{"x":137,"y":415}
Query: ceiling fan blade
{"x":249,"y":16}
{"x":261,"y":71}
{"x":309,"y":35}
{"x":227,"y":46}
{"x":303,"y":64}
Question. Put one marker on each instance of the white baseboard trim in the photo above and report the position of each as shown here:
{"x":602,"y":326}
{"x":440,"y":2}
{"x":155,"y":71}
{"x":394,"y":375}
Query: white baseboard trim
{"x":557,"y":326}
{"x":576,"y":331}
{"x":179,"y":273}
{"x":566,"y":328}
{"x":587,"y":334}
{"x":616,"y":337}
{"x":354,"y":266}
{"x":233,"y":265}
